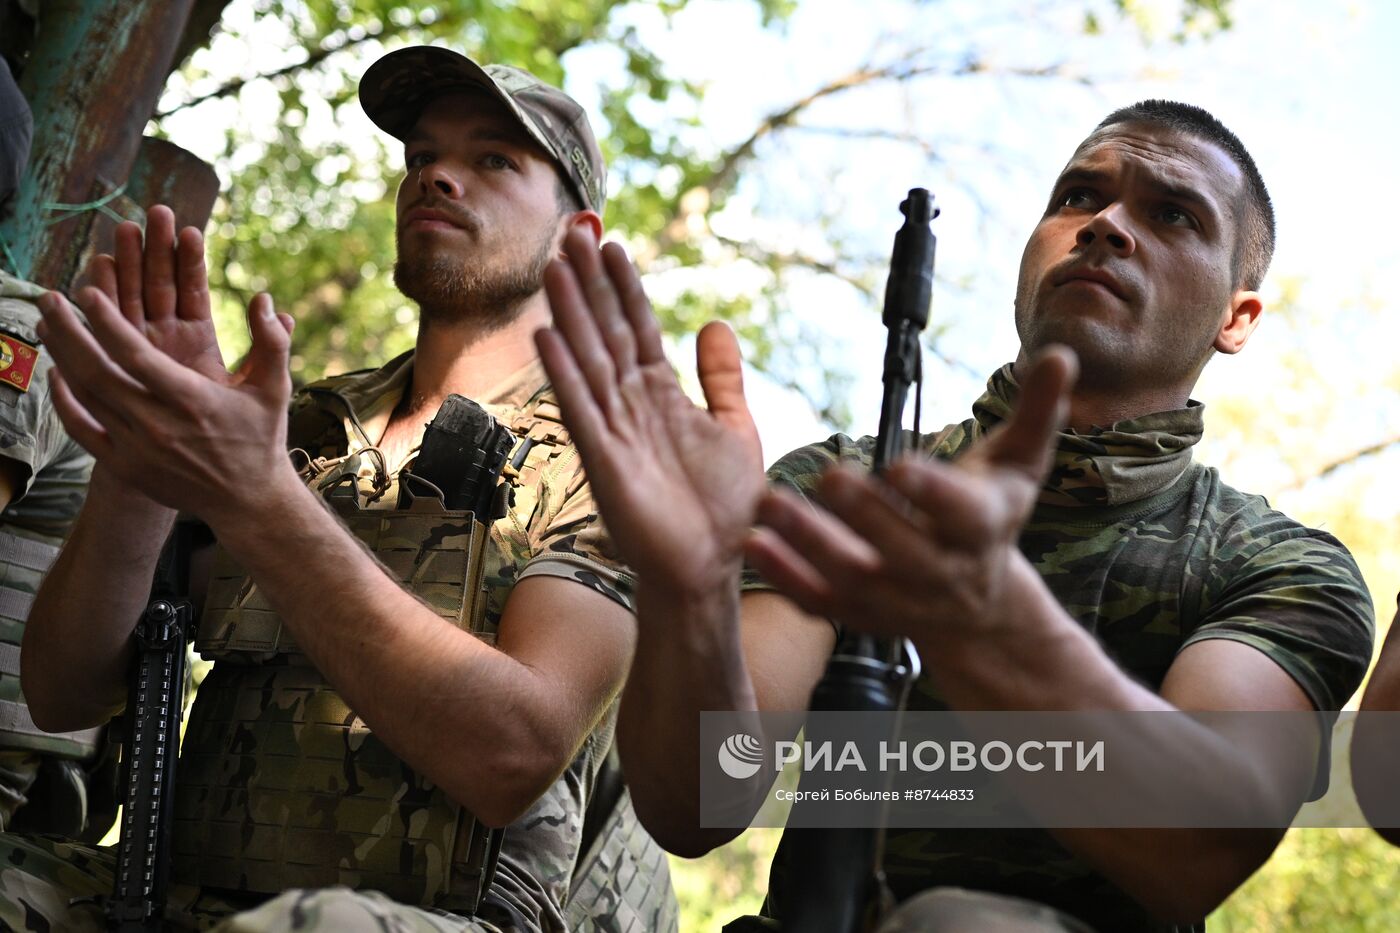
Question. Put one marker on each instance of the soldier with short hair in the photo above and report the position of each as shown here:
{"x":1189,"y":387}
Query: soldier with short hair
{"x":392,"y":682}
{"x":1094,"y":566}
{"x":44,"y":779}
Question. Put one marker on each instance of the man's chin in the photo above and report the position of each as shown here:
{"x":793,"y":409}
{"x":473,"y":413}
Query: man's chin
{"x":1086,"y":334}
{"x":1102,"y":350}
{"x":430,"y":285}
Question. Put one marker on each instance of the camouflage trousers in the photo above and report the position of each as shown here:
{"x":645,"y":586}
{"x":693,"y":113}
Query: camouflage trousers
{"x":50,"y":884}
{"x":958,"y":910}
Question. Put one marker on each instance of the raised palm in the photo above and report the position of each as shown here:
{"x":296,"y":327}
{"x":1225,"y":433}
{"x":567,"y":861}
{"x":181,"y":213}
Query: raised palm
{"x":160,"y":284}
{"x":677,"y":484}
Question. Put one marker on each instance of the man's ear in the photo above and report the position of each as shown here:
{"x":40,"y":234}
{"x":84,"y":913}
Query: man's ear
{"x":1240,"y":321}
{"x":567,"y":222}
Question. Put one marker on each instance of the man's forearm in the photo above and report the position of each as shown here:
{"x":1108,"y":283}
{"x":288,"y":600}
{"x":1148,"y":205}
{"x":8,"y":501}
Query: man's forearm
{"x":1045,"y":661}
{"x":1375,"y":758}
{"x":411,"y":675}
{"x":689,"y":659}
{"x":79,"y":629}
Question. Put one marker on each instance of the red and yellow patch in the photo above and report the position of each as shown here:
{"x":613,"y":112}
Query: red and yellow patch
{"x":17,"y":360}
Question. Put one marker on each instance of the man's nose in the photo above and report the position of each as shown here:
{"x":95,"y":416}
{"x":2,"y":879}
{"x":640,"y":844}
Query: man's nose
{"x":437,"y":178}
{"x":1111,"y":228}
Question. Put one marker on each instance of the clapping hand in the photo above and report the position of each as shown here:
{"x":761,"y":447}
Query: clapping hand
{"x":931,"y":548}
{"x":146,"y":390}
{"x":677,"y":484}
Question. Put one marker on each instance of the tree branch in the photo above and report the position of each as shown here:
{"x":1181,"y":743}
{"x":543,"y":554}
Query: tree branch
{"x":902,"y":70}
{"x":339,"y":42}
{"x":869,"y":133}
{"x":766,"y":257}
{"x":905,"y":68}
{"x":332,"y":45}
{"x":1327,"y":470}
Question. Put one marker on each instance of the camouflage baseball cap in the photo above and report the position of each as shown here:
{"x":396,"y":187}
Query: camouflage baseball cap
{"x":396,"y":88}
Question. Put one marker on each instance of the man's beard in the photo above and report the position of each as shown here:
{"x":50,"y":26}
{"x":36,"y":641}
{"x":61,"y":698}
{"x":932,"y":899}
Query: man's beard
{"x":449,"y":290}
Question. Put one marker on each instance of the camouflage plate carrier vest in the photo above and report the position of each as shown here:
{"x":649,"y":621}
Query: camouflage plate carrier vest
{"x":281,"y":785}
{"x":24,"y":559}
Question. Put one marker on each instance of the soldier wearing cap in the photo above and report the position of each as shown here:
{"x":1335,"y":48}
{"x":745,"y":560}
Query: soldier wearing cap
{"x":44,"y":779}
{"x":373,"y":714}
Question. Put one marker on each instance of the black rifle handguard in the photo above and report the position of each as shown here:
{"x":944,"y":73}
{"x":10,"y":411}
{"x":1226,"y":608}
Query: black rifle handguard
{"x":833,"y":876}
{"x":155,"y":704}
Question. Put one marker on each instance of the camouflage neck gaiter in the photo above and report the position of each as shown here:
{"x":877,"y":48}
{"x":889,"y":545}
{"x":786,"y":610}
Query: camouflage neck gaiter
{"x":1129,"y":461}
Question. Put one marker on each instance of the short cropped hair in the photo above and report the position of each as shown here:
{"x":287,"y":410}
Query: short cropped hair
{"x":1254,"y":247}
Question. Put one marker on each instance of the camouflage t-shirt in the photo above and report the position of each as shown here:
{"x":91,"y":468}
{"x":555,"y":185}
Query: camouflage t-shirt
{"x":38,"y":517}
{"x":1150,"y":552}
{"x":551,"y":528}
{"x":31,"y":434}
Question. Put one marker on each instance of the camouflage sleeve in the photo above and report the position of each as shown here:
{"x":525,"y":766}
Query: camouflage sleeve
{"x":798,"y":471}
{"x":569,"y":540}
{"x":1302,"y":602}
{"x":30,"y":431}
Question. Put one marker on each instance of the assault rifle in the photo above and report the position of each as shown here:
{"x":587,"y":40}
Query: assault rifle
{"x":836,"y":873}
{"x":155,"y":703}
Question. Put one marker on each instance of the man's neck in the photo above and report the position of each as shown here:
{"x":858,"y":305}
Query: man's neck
{"x":1095,"y":406}
{"x":1089,"y":409}
{"x":461,"y":358}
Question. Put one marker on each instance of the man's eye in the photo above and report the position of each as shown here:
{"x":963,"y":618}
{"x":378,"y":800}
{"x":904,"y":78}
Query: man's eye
{"x":1076,"y":197}
{"x":1176,"y":217}
{"x":497,"y":161}
{"x":418,"y":159}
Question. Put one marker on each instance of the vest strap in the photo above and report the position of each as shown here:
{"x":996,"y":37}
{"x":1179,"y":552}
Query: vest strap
{"x":15,"y":719}
{"x":26,"y":552}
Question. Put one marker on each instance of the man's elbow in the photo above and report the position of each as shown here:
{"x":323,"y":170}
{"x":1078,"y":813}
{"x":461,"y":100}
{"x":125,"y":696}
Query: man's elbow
{"x":1187,"y":895}
{"x":42,"y":701}
{"x":53,"y":703}
{"x":512,"y":781}
{"x":46,"y":715}
{"x":676,"y":827}
{"x":521,"y":779}
{"x":690,"y":842}
{"x":53,"y":708}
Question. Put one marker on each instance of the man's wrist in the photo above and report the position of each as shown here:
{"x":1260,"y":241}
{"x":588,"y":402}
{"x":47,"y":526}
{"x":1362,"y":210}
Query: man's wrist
{"x":108,"y":490}
{"x":704,"y":619}
{"x":247,"y":520}
{"x":1014,"y":622}
{"x":700,"y":580}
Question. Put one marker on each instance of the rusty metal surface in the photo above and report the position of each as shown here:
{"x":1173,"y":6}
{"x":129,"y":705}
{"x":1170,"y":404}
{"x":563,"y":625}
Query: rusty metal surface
{"x":163,"y":174}
{"x":166,"y":174}
{"x":92,"y":79}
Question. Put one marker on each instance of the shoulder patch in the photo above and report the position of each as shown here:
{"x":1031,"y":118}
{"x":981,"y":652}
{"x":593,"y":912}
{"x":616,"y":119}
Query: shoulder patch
{"x":17,"y":360}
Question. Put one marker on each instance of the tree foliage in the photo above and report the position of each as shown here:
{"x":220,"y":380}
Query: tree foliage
{"x":309,"y":217}
{"x":307,"y":213}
